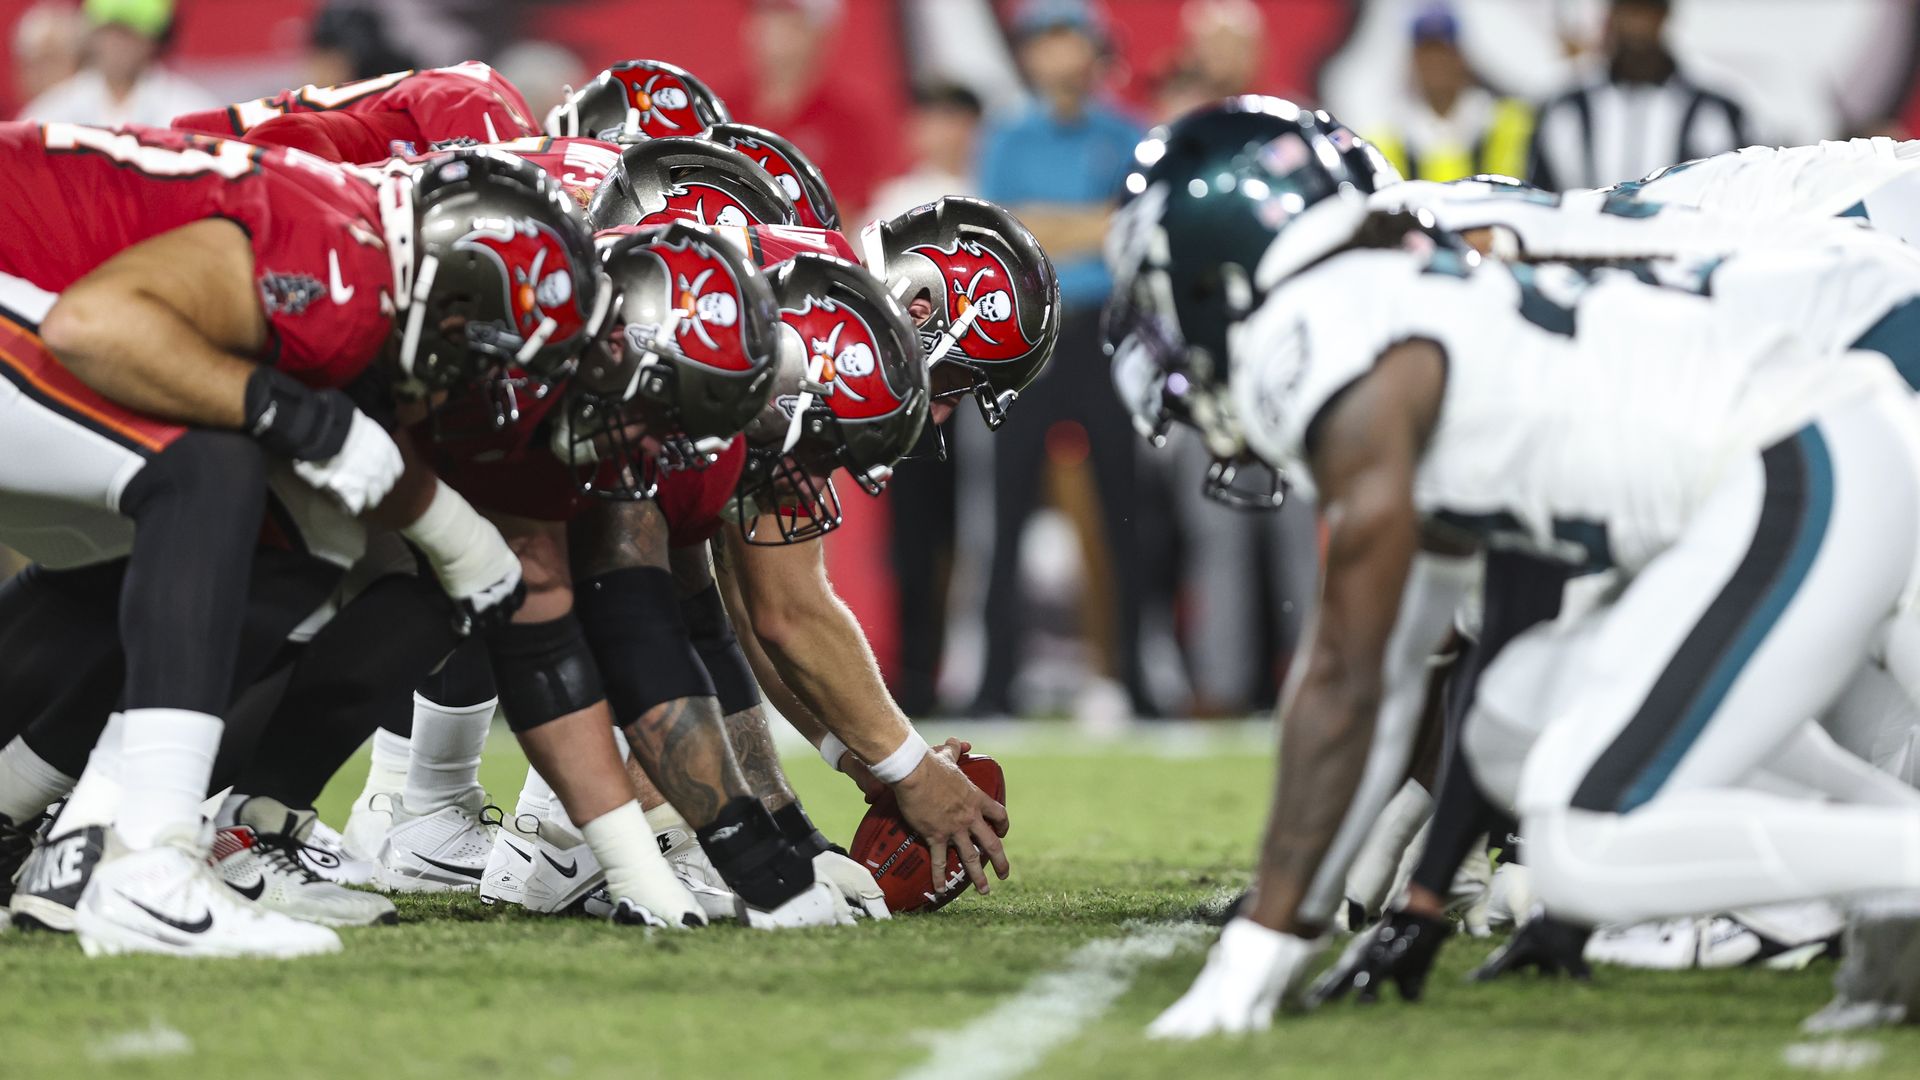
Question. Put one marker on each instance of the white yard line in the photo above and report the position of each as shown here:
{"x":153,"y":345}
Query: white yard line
{"x":157,"y":1041}
{"x":1053,"y":1008}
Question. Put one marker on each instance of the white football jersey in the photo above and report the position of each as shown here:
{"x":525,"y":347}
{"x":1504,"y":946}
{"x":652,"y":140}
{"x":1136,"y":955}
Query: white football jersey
{"x":1535,"y":224}
{"x":1584,"y":416}
{"x":1821,"y":180}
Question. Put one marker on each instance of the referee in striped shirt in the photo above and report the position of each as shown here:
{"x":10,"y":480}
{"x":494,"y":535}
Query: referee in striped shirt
{"x":1644,"y":115}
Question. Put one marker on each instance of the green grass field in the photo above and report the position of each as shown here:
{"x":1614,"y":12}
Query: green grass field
{"x":1110,"y":842}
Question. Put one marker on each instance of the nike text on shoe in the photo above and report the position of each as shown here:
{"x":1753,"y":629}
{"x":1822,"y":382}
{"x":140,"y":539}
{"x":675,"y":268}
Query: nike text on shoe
{"x":167,"y":900}
{"x":445,"y":851}
{"x":267,"y":867}
{"x":54,"y":877}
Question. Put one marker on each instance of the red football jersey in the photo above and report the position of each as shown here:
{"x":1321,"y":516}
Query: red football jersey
{"x":693,"y":499}
{"x":72,"y":197}
{"x":434,"y":109}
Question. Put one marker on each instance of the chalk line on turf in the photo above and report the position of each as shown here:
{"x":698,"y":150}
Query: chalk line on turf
{"x":1053,"y":1007}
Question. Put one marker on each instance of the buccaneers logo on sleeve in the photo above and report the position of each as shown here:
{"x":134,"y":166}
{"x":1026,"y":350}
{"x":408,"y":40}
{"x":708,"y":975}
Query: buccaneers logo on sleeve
{"x":534,"y":267}
{"x":977,"y":278}
{"x":848,"y":354}
{"x":703,"y":203}
{"x":664,"y":104}
{"x":708,"y":299}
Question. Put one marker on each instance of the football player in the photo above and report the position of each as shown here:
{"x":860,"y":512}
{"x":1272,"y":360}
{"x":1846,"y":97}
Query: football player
{"x":129,"y":375}
{"x":1425,"y":397}
{"x":370,"y":120}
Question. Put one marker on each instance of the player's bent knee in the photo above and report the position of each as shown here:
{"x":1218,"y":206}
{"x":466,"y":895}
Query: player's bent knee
{"x":202,"y":473}
{"x":545,"y":671}
{"x":633,"y":624}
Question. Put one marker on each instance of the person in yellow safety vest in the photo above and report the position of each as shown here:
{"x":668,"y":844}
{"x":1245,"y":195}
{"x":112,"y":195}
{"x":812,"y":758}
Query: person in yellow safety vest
{"x":1453,"y":126}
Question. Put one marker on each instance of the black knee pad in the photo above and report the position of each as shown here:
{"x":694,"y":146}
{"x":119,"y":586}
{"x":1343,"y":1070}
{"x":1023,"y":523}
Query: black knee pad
{"x":640,"y":641}
{"x":466,"y":678}
{"x":726,"y":663}
{"x":545,"y":671}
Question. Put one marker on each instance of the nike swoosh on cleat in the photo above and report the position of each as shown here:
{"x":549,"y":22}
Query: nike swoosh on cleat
{"x":520,"y":853}
{"x":463,"y":871}
{"x":568,"y":870}
{"x":253,"y":891}
{"x":204,"y":924}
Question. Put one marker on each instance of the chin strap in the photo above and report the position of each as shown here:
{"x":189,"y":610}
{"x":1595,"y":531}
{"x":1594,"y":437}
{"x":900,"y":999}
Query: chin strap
{"x":951,"y":336}
{"x":809,"y":386}
{"x":874,"y":251}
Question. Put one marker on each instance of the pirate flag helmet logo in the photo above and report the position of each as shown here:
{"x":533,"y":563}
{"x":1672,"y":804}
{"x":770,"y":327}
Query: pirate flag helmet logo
{"x":797,"y":175}
{"x":981,"y":290}
{"x":688,"y":355}
{"x":639,"y":99}
{"x":852,"y":395}
{"x":665,"y":180}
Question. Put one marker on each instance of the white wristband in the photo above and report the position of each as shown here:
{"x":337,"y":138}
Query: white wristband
{"x":832,"y":750}
{"x":896,"y":766}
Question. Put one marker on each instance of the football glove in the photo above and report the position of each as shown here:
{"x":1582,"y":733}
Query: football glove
{"x":854,"y":883}
{"x":1250,"y":972}
{"x":1544,"y":944}
{"x":361,"y":472}
{"x":1401,"y":949}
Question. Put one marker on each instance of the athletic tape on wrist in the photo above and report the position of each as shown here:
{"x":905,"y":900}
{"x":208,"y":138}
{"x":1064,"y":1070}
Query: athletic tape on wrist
{"x":831,"y":751}
{"x":896,"y":766}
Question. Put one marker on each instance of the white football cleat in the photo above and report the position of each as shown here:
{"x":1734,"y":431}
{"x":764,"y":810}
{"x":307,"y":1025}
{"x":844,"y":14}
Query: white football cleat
{"x":682,"y":850}
{"x":261,"y":859}
{"x":368,"y":824}
{"x":444,"y":851}
{"x":819,"y":904}
{"x":325,"y":854}
{"x":55,"y":875}
{"x":167,"y":900}
{"x":855,"y":884}
{"x":539,"y":864}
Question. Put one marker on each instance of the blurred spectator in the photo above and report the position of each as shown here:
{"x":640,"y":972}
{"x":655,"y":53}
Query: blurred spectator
{"x":46,"y":48}
{"x":1643,"y":114}
{"x":543,"y":71}
{"x":940,"y":133}
{"x":1223,"y":45}
{"x":1179,"y":90}
{"x":348,"y":42}
{"x":1453,"y":126}
{"x":787,"y":44}
{"x":122,"y":81}
{"x":1058,"y":164}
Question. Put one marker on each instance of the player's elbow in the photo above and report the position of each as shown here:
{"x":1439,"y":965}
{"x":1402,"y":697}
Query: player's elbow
{"x":74,"y":330}
{"x":785,"y":618}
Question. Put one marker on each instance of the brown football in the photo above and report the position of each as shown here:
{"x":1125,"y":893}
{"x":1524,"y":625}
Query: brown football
{"x":899,"y":859}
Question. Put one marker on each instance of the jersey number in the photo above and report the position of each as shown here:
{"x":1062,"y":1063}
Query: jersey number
{"x":218,"y":157}
{"x":252,"y":114}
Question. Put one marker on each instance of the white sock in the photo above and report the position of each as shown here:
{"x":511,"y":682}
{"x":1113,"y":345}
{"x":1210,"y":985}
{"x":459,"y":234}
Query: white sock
{"x":28,"y":785}
{"x":96,"y":795}
{"x":166,"y":761}
{"x":1701,"y":851}
{"x":536,"y":796}
{"x":388,"y":774}
{"x":624,"y":844}
{"x":447,"y":741}
{"x":1370,"y":879}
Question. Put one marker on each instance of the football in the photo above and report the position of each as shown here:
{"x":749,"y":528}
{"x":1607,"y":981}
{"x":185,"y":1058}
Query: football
{"x":898,"y":858}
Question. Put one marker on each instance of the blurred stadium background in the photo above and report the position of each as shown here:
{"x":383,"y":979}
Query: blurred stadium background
{"x":1116,"y":592}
